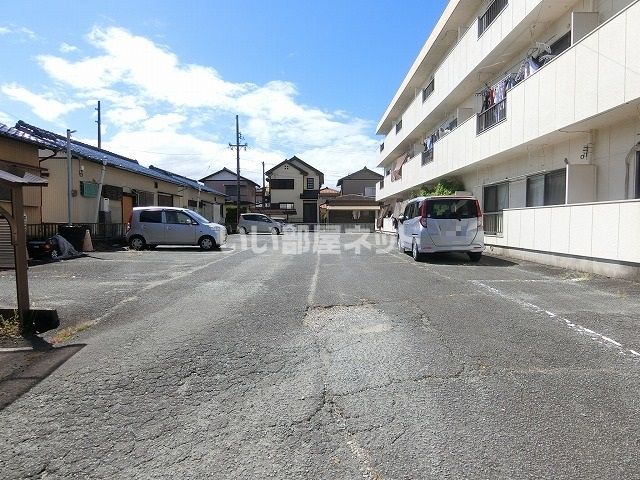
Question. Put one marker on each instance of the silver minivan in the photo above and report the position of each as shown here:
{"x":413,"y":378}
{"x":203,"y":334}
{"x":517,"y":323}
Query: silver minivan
{"x":258,"y":222}
{"x":152,"y":226}
{"x":441,"y":224}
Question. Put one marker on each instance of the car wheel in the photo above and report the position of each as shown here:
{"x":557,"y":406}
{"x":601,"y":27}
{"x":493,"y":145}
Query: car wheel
{"x":242,"y":231}
{"x":207,"y":243}
{"x":400,"y":247}
{"x":137,"y":242}
{"x":54,"y":254}
{"x":417,"y":256}
{"x":275,"y":231}
{"x":475,"y":256}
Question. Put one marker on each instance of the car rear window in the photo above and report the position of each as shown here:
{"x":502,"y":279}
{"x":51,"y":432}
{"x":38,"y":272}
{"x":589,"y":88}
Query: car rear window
{"x":151,"y":216}
{"x":451,"y":208}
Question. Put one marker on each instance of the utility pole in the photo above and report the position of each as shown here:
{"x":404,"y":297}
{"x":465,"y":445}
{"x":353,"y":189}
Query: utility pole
{"x":99,"y":126}
{"x":69,"y":179}
{"x":264,"y":192}
{"x":237,"y":147}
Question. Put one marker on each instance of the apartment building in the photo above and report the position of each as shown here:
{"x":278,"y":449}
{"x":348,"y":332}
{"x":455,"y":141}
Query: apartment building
{"x":534,"y":105}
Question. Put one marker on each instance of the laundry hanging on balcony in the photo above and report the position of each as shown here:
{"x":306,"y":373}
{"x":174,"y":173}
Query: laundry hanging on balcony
{"x":396,"y":173}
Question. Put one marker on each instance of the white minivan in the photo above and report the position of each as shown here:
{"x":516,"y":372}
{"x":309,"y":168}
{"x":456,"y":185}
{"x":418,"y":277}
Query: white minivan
{"x":152,"y":226}
{"x":441,"y":224}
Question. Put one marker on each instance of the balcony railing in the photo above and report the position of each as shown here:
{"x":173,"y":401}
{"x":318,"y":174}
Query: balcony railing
{"x":490,"y":14}
{"x":382,"y":146}
{"x":492,"y":116}
{"x":428,"y":90}
{"x":493,"y":224}
{"x":427,"y":156}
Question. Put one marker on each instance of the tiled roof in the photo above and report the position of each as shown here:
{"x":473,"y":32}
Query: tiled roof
{"x":57,"y":142}
{"x":12,"y":132}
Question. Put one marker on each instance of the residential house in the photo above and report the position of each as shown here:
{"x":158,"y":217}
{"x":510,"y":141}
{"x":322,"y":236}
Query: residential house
{"x":363,"y":182}
{"x":105,"y":186}
{"x":323,"y":196}
{"x":226,"y":181}
{"x":294,"y":188}
{"x":356,"y":202}
{"x":533,"y":106}
{"x":19,"y":156}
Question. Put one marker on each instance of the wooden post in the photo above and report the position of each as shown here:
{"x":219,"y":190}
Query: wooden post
{"x":19,"y":240}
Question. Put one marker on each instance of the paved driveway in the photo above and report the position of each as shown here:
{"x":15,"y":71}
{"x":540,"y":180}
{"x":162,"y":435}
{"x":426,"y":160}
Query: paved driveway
{"x":329,"y":356}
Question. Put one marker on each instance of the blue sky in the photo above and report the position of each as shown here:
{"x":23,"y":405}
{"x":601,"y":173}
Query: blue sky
{"x":306,"y":78}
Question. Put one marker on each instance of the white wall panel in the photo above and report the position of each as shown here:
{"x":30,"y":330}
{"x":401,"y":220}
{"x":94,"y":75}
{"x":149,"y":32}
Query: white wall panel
{"x":559,"y":230}
{"x":586,"y":82}
{"x":527,"y":229}
{"x":606,"y":219}
{"x":532,"y":102}
{"x":629,"y":232}
{"x":542,"y":239}
{"x":579,"y":228}
{"x":632,"y":57}
{"x":611,"y":71}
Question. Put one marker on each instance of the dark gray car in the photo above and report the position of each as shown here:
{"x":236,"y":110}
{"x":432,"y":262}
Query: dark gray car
{"x":258,"y":223}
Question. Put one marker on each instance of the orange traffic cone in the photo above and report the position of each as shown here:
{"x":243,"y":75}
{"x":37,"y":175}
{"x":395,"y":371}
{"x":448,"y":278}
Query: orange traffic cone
{"x":87,"y":246}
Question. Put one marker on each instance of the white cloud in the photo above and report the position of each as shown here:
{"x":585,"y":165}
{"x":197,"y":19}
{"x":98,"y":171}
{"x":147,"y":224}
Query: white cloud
{"x":152,"y":102}
{"x":6,"y":118}
{"x":4,"y":30}
{"x":43,"y":106}
{"x":66,"y":48}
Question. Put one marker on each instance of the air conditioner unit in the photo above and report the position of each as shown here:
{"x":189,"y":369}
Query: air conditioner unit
{"x":104,"y":205}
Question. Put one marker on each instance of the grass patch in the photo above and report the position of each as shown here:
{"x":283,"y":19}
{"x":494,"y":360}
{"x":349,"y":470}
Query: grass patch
{"x":66,"y":333}
{"x":10,"y":326}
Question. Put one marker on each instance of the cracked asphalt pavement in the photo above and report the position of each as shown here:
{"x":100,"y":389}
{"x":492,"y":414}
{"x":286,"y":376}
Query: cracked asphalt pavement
{"x":255,"y":362}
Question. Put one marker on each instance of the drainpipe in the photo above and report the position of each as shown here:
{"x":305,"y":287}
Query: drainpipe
{"x":104,"y":168}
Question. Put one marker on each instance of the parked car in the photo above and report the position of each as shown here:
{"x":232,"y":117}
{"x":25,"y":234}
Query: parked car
{"x":260,"y":223}
{"x":152,"y":226}
{"x":286,"y":226}
{"x":441,"y":224}
{"x":39,"y":249}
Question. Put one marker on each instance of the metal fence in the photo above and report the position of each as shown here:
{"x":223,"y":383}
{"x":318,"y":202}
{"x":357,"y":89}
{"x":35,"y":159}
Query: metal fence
{"x":493,"y":224}
{"x":490,"y":14}
{"x":98,"y":231}
{"x":492,"y":116}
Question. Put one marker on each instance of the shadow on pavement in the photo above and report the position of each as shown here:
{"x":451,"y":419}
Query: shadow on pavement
{"x":463,"y":259}
{"x":23,"y":369}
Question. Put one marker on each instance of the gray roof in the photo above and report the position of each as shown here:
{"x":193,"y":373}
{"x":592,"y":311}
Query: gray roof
{"x":57,"y":142}
{"x":12,"y":132}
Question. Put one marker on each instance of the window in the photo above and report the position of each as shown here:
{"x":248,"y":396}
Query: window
{"x":637,"y":195}
{"x":490,"y":14}
{"x":144,"y":199}
{"x":151,"y":216}
{"x":562,"y":44}
{"x":165,"y":200}
{"x":232,"y":190}
{"x":89,"y":189}
{"x":411,"y":210}
{"x":180,"y":218}
{"x":310,"y":183}
{"x":546,"y":189}
{"x":112,"y":192}
{"x":428,"y":90}
{"x":369,"y":191}
{"x":286,"y":206}
{"x":496,"y":197}
{"x":382,"y":146}
{"x":399,"y":126}
{"x":452,"y":208}
{"x":281,"y":184}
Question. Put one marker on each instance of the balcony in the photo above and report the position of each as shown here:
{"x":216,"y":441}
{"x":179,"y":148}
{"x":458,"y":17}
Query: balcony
{"x":492,"y":116}
{"x":490,"y":14}
{"x":310,"y":194}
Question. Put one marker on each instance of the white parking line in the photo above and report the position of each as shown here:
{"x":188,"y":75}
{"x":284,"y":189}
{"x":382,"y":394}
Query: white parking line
{"x":598,"y":337}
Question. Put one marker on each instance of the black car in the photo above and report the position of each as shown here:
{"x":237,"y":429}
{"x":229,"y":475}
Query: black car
{"x":42,"y":249}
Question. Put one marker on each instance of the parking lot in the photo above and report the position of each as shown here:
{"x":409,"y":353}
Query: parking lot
{"x":327,"y":356}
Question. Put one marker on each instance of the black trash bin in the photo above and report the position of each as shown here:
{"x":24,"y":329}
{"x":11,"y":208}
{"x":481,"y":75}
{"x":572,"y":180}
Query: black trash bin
{"x":74,"y":234}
